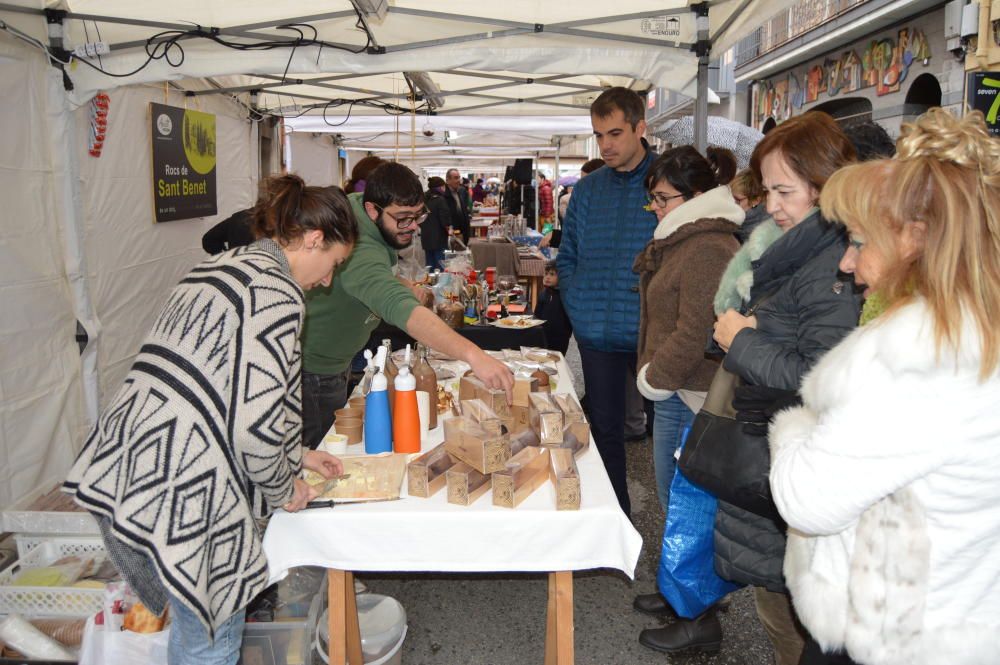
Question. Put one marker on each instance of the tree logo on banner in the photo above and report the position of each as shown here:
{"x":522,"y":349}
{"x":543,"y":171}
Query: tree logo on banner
{"x":199,"y":140}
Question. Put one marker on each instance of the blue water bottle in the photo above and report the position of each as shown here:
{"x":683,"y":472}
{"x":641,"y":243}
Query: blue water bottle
{"x":378,"y":423}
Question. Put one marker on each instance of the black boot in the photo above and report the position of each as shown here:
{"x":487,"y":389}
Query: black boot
{"x":703,"y":633}
{"x":653,"y":604}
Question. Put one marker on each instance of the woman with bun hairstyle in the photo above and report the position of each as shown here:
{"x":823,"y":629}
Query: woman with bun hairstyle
{"x":205,"y":435}
{"x":888,"y":475}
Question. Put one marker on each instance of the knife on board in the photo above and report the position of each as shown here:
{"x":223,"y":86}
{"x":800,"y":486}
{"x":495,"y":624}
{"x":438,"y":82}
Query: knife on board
{"x":326,"y":487}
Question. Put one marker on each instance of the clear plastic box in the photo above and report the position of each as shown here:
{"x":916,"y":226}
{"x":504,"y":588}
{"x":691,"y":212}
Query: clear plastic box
{"x":286,"y":642}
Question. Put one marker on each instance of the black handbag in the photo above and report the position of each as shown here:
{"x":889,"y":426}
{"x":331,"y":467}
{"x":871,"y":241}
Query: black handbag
{"x":723,"y":458}
{"x":723,"y":455}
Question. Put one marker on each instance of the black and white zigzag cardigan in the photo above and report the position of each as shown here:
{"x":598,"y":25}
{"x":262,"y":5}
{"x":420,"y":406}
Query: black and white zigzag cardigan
{"x":203,"y":437}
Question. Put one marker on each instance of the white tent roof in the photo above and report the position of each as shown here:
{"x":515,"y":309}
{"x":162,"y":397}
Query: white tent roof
{"x":645,"y":43}
{"x":78,"y":227}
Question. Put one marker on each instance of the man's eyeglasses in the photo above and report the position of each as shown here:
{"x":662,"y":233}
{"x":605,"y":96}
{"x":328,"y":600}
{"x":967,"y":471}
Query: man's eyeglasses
{"x":661,"y":200}
{"x":406,"y":220}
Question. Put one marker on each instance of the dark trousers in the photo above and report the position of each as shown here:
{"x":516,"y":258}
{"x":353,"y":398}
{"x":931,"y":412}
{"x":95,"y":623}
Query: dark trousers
{"x":434,"y":258}
{"x":322,"y":394}
{"x":604,"y":378}
{"x":813,"y":655}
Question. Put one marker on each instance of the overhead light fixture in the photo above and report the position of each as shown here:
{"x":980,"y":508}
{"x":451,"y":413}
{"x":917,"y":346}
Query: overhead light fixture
{"x":426,"y":86}
{"x":374,"y":9}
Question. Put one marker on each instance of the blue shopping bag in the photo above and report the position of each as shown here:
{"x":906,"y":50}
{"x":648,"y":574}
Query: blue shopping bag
{"x":686,"y":576}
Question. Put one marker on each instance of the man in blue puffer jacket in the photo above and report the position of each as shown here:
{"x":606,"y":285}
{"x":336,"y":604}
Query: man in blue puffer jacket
{"x":606,"y":227}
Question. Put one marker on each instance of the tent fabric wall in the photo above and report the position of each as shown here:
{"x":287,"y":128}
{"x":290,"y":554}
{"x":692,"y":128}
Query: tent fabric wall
{"x":42,"y":413}
{"x":314,"y":159}
{"x":132,"y":261}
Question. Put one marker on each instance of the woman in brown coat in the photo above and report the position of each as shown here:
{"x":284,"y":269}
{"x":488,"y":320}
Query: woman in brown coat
{"x":679,"y":273}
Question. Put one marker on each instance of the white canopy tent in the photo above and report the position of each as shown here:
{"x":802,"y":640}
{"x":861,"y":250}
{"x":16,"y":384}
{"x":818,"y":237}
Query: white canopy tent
{"x":77,"y":242}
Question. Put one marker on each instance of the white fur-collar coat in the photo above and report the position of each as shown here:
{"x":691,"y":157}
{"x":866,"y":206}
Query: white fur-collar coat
{"x":889,"y":479}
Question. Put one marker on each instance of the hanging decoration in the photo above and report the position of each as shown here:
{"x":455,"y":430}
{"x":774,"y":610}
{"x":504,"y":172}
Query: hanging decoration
{"x":99,"y":107}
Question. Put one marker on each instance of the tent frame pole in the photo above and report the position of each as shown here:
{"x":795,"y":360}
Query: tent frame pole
{"x":702,"y":48}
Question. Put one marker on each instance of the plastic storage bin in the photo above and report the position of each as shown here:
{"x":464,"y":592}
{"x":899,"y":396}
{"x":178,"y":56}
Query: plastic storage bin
{"x":285,"y":642}
{"x":51,"y":601}
{"x":383,"y":629}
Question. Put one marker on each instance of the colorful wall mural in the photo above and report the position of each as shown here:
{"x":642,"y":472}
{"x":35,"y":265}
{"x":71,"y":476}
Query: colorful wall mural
{"x":884,"y":64}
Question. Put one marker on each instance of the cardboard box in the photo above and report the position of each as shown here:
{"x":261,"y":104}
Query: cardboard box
{"x":523,"y":439}
{"x":453,"y":428}
{"x":522,"y":475}
{"x":477,"y":411}
{"x":425,"y":475}
{"x":519,"y":419}
{"x":574,"y":419}
{"x":574,"y":443}
{"x":465,"y":484}
{"x":472,"y":388}
{"x":565,"y":478}
{"x":524,"y":386}
{"x":482,"y":450}
{"x":546,"y":419}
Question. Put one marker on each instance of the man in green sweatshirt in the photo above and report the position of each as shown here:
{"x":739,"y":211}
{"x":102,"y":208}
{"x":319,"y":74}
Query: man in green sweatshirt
{"x":341,"y":317}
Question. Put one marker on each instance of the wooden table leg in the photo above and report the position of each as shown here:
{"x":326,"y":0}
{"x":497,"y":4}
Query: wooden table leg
{"x":345,"y":636}
{"x":550,"y":623}
{"x":535,"y":283}
{"x":559,"y":623}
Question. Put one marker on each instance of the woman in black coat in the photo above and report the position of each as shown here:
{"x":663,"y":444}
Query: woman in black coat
{"x":801,"y":311}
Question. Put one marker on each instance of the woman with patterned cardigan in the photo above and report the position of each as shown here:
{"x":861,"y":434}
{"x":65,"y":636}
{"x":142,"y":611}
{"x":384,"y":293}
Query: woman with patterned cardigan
{"x":204,"y":437}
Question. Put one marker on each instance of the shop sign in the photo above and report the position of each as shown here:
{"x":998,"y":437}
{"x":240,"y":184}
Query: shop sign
{"x":183,"y":163}
{"x":981,"y":94}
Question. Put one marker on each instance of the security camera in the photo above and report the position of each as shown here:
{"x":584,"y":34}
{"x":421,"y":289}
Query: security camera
{"x":428,"y":129}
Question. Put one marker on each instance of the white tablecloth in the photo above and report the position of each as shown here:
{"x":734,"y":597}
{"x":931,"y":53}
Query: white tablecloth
{"x":415,"y":534}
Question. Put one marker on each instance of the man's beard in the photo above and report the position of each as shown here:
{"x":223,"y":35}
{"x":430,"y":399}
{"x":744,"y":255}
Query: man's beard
{"x":390,"y":237}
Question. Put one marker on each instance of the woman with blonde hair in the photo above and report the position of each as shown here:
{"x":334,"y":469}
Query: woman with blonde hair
{"x":889,"y":474}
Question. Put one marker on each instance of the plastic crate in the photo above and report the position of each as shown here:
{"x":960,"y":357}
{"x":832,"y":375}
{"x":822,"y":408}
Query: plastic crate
{"x":287,"y":642}
{"x":19,"y":519}
{"x":51,"y":601}
{"x":69,"y":544}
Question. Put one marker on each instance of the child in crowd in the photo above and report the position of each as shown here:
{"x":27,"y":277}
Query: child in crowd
{"x":557,"y":327}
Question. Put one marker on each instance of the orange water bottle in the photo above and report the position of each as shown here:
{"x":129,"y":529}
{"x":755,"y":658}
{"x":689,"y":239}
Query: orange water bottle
{"x":405,"y":416}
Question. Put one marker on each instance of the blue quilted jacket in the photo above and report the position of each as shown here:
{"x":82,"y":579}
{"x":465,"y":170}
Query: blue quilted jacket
{"x":605,"y":228}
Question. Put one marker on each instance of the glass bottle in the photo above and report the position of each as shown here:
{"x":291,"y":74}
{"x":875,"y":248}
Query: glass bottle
{"x":427,"y":382}
{"x":390,"y":371}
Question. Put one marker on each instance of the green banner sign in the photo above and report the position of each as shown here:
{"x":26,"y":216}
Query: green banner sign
{"x":183,"y":163}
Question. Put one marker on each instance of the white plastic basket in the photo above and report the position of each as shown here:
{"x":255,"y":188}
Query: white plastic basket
{"x":18,"y":519}
{"x":51,"y":601}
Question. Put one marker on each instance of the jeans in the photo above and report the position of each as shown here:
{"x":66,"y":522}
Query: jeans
{"x":322,"y":394}
{"x":671,"y":417}
{"x":435,"y":258}
{"x":189,"y":643}
{"x":604,"y":376}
